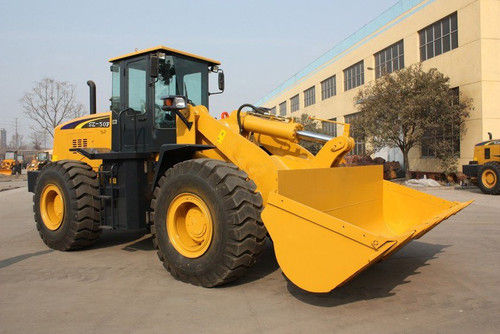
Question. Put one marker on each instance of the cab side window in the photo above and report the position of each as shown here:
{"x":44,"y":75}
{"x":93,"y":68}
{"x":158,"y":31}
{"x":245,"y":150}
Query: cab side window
{"x":115,"y":88}
{"x":137,"y":85}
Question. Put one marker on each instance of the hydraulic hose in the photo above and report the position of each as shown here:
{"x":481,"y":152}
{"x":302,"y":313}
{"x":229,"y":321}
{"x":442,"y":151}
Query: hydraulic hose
{"x":254,"y":108}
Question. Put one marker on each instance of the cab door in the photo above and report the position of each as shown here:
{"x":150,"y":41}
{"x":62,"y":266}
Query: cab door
{"x":129,"y":105}
{"x":163,"y":125}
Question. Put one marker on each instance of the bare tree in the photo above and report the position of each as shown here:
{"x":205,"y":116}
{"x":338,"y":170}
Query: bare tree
{"x":36,"y":139}
{"x":50,"y":103}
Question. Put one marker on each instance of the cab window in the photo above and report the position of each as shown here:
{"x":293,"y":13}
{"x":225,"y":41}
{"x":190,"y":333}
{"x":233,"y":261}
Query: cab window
{"x":179,"y":76}
{"x":165,"y":85}
{"x":115,"y":88}
{"x":137,"y":85}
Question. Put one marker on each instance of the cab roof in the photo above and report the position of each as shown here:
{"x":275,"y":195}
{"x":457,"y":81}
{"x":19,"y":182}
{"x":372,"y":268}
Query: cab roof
{"x":164,"y":48}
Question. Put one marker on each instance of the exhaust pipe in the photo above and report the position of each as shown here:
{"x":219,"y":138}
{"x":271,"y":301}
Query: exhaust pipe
{"x":92,"y":103}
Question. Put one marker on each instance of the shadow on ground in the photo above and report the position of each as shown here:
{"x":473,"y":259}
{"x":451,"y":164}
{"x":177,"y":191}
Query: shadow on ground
{"x":140,"y":241}
{"x":15,"y":259}
{"x":377,"y":281}
{"x":145,"y":243}
{"x":472,"y":189}
{"x":115,"y":238}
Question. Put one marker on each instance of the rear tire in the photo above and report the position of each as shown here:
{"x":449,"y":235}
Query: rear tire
{"x":76,"y":184}
{"x":489,"y":178}
{"x":237,"y":234}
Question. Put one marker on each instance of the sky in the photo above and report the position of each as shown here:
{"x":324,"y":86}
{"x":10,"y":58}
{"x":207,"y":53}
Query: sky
{"x":260,"y":43}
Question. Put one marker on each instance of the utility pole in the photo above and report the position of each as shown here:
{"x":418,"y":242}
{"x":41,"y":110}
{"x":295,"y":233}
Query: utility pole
{"x":17,"y":137}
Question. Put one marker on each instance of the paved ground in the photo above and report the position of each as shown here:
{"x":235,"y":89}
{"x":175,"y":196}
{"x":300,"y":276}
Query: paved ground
{"x":447,"y":281}
{"x":12,"y":182}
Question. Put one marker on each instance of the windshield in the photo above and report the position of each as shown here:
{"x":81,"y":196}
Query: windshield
{"x":179,"y":76}
{"x":9,"y":156}
{"x":42,"y":156}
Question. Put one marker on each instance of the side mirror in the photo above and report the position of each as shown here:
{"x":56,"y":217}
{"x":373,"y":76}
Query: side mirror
{"x":221,"y":81}
{"x":154,"y":66}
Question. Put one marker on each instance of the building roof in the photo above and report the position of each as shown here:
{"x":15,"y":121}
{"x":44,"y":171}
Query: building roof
{"x":392,"y":16}
{"x":164,"y":48}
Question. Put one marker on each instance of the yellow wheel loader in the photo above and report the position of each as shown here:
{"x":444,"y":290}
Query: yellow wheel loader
{"x":40,"y":160}
{"x":484,"y":169}
{"x":211,"y":190}
{"x":10,"y":165}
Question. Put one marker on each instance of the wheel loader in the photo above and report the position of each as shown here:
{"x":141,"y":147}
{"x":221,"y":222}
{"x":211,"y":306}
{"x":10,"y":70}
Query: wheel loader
{"x":212,"y":190}
{"x":11,"y":165}
{"x":40,"y":160}
{"x":484,"y":169}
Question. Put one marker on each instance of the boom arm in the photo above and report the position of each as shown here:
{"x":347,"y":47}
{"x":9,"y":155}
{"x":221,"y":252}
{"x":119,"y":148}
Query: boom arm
{"x":260,"y":136}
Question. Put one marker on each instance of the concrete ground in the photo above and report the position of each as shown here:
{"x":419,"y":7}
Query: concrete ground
{"x":448,"y":281}
{"x":8,"y":182}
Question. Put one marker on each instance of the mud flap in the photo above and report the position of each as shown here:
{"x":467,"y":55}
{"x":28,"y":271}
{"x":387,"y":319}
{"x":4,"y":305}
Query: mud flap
{"x":329,"y":224}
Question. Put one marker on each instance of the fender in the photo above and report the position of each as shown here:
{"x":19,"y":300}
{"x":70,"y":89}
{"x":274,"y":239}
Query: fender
{"x":171,"y":154}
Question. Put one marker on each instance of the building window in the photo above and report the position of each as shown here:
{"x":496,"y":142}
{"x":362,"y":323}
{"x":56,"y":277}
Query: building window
{"x":294,"y":103}
{"x":309,"y":96}
{"x":283,"y":108}
{"x":330,"y":128}
{"x":448,"y":133}
{"x":354,"y":76}
{"x":359,"y":147}
{"x":328,"y":87}
{"x":272,"y":111}
{"x":389,"y":59}
{"x":439,"y":37}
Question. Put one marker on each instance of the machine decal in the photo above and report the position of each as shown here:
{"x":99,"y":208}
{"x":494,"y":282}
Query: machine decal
{"x":98,"y":122}
{"x":221,"y":136}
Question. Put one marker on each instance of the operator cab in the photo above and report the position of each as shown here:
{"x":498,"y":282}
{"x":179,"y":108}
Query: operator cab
{"x":10,"y":155}
{"x":141,"y":81}
{"x":42,"y":156}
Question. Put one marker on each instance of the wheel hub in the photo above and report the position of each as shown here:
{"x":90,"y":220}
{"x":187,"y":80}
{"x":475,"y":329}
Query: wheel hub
{"x":189,"y":225}
{"x":489,"y":178}
{"x":52,"y":207}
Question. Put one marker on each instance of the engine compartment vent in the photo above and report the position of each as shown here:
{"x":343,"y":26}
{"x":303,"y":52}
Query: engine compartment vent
{"x":79,"y":142}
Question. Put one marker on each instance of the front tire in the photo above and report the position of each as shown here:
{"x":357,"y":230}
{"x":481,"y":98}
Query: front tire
{"x":66,"y":205}
{"x":489,"y":178}
{"x":206,"y":222}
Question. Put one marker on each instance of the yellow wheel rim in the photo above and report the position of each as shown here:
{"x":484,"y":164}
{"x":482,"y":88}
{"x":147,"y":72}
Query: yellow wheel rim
{"x":52,"y":207}
{"x":489,"y":178}
{"x":189,"y":225}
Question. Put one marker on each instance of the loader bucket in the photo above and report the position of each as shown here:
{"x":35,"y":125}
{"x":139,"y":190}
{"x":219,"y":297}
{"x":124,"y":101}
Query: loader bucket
{"x":329,"y":224}
{"x":5,"y":172}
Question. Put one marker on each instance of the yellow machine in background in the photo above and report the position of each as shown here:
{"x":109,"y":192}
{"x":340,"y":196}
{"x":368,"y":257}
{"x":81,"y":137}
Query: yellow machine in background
{"x":484,"y":169}
{"x":10,"y":164}
{"x":211,"y":190}
{"x":40,"y":160}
